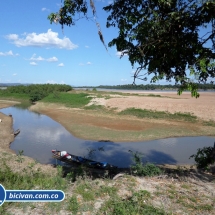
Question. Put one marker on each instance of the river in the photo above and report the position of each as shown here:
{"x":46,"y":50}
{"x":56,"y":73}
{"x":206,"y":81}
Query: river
{"x":40,"y":134}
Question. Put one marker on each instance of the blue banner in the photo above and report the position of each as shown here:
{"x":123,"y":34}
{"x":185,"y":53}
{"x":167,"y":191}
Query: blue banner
{"x":30,"y":195}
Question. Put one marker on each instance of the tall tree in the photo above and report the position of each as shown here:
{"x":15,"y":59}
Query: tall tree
{"x":161,"y":37}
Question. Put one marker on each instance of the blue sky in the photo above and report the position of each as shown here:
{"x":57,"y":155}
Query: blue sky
{"x":34,"y":51}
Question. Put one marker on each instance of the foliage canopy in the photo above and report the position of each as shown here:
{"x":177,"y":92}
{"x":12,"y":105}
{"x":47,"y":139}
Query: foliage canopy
{"x":37,"y":92}
{"x":161,"y":37}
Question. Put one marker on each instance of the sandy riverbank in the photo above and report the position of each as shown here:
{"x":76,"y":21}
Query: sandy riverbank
{"x":203,"y":107}
{"x":103,"y":124}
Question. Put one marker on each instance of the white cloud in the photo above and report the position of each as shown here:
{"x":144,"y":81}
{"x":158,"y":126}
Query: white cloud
{"x":123,"y":79}
{"x":82,"y":64}
{"x":61,"y":64}
{"x":52,"y":59}
{"x":51,"y":82}
{"x":87,"y":47}
{"x":45,"y":9}
{"x":49,"y":40}
{"x":12,"y":37}
{"x":33,"y":63}
{"x":34,"y":58}
{"x":14,"y":74}
{"x":9,"y":53}
{"x":54,"y":82}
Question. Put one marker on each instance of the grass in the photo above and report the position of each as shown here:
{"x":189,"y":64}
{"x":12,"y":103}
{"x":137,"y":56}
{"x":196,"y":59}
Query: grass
{"x":143,"y":113}
{"x":28,"y":179}
{"x":73,"y":205}
{"x":24,"y":104}
{"x":106,"y":190}
{"x":83,"y":193}
{"x":185,"y":186}
{"x":107,"y":95}
{"x":86,"y":191}
{"x":153,"y":95}
{"x":209,"y":123}
{"x":13,"y":96}
{"x":94,"y":107}
{"x":69,"y":99}
{"x":137,"y":204}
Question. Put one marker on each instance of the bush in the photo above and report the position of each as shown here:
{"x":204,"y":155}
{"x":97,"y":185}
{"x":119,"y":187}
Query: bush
{"x":140,"y":169}
{"x":36,"y":96}
{"x":203,"y":157}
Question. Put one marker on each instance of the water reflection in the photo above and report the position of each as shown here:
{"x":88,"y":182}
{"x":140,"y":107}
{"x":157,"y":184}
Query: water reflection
{"x":40,"y":134}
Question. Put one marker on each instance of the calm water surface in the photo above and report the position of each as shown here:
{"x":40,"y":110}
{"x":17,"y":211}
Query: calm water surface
{"x":40,"y":134}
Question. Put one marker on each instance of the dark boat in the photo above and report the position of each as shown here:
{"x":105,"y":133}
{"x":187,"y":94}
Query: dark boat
{"x":16,"y":132}
{"x":73,"y":159}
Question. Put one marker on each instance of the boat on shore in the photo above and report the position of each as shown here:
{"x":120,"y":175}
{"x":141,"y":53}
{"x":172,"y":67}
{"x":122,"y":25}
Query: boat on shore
{"x":16,"y":132}
{"x":73,"y":159}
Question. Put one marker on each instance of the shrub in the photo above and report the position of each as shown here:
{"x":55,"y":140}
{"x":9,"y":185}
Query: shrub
{"x":203,"y":157}
{"x":140,"y":169}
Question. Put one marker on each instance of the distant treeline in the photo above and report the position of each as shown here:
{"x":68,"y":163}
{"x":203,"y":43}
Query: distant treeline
{"x":36,"y":91}
{"x":154,"y":87}
{"x":11,"y":84}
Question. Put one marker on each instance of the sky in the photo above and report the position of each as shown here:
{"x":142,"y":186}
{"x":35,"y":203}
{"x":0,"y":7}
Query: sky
{"x":34,"y":51}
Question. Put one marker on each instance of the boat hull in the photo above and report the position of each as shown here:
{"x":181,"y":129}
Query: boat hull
{"x":81,"y":161}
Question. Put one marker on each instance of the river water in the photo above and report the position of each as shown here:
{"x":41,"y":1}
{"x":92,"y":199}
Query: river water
{"x":40,"y":134}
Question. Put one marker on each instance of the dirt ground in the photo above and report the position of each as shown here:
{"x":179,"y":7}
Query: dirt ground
{"x":203,"y":107}
{"x":6,"y":132}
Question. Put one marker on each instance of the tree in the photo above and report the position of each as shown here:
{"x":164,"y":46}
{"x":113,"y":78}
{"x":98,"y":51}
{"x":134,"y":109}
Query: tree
{"x":160,"y":36}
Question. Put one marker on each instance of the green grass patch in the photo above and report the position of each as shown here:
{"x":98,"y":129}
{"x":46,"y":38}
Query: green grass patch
{"x":28,"y":179}
{"x":191,"y":203}
{"x":73,"y":205}
{"x":137,"y":204}
{"x":86,"y":191}
{"x":13,"y":96}
{"x":69,"y":99}
{"x":111,"y":191}
{"x":209,"y":123}
{"x":153,"y":95}
{"x":94,"y":107}
{"x":143,"y":113}
{"x":186,"y":186}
